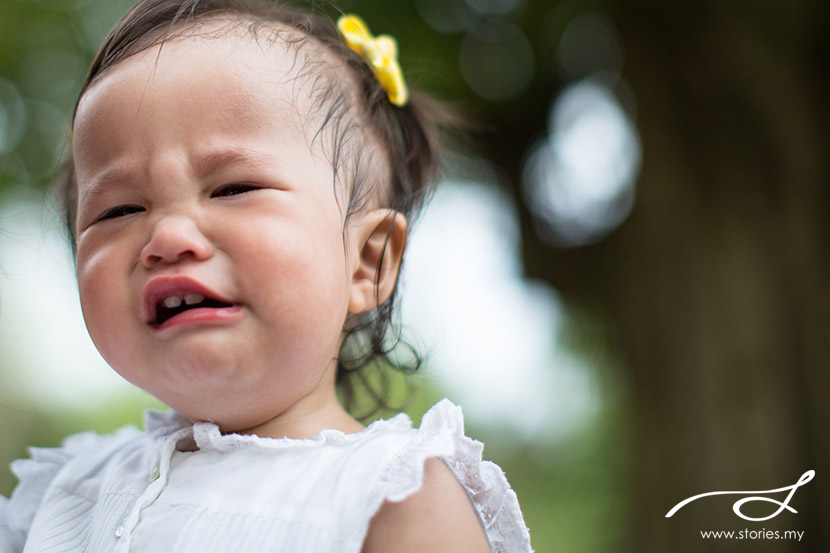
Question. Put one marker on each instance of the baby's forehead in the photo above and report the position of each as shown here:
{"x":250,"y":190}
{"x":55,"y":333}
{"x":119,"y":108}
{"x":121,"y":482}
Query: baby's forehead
{"x":270,"y":52}
{"x":269,"y":67}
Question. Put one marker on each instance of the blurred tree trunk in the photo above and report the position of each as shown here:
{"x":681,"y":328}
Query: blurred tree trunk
{"x":717,"y":285}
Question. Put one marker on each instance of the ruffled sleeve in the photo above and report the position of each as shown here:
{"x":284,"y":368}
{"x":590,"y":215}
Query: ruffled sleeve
{"x":35,"y":475}
{"x":8,"y":542}
{"x":442,"y":435}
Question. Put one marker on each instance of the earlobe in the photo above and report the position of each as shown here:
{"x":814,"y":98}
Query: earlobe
{"x":379,"y":239}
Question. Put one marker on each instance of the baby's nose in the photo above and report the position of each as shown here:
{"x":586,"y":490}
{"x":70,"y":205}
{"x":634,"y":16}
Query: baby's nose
{"x":175,"y":239}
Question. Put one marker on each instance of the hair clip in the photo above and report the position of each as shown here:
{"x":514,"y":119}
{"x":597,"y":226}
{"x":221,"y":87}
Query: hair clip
{"x":380,"y":53}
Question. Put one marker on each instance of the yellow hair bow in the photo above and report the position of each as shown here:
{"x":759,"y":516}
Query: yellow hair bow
{"x":381,"y":53}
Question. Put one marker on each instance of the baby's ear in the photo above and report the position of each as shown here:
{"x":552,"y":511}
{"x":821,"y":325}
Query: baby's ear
{"x":378,"y":239}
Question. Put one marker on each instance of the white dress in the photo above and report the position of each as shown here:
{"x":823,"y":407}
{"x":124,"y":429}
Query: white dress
{"x":135,"y":491}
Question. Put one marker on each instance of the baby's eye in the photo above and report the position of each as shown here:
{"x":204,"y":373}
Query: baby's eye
{"x":119,"y":211}
{"x":233,"y":190}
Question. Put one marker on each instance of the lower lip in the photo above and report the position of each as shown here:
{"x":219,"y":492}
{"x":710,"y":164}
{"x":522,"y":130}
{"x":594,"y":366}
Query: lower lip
{"x":203,"y":316}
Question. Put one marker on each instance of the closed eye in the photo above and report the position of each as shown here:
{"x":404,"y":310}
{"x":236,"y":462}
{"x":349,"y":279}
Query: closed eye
{"x":120,"y":211}
{"x":233,"y":190}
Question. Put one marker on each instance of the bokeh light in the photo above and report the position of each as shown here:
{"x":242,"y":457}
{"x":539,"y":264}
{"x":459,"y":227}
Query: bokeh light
{"x":495,"y":7}
{"x":579,"y":180}
{"x":12,"y":117}
{"x":54,"y":73}
{"x":447,"y":16}
{"x":497,"y":60}
{"x":588,"y":45}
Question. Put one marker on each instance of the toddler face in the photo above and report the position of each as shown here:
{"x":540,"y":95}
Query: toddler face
{"x":210,"y":248}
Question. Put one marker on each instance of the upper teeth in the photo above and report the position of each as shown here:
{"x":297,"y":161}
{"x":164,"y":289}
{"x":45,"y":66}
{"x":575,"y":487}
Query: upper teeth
{"x":189,"y":299}
{"x":172,"y":301}
{"x":193,"y":299}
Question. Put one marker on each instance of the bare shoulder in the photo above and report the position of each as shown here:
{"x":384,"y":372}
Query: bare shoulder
{"x":437,"y":518}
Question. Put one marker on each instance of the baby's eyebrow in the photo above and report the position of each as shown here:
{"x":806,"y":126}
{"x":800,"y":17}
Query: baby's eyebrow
{"x":213,"y":161}
{"x":103,"y":182}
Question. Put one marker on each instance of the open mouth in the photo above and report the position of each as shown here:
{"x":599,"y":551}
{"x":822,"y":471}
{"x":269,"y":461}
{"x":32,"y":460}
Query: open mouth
{"x":169,"y":299}
{"x":172,"y":305}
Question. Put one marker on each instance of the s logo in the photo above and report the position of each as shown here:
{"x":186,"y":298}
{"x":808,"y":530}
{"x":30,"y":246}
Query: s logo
{"x":754,"y":496}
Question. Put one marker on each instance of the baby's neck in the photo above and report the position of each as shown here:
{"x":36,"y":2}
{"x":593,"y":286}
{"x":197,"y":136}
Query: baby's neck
{"x":303,"y":422}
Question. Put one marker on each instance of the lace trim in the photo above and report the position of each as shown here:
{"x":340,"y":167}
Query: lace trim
{"x":442,"y":435}
{"x":208,"y":437}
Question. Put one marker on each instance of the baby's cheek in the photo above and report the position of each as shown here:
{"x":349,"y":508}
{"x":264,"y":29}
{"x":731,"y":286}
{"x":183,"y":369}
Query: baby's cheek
{"x":103,"y":301}
{"x":93,"y":290}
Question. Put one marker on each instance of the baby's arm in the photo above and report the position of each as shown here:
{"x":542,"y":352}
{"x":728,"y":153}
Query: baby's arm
{"x":438,"y":518}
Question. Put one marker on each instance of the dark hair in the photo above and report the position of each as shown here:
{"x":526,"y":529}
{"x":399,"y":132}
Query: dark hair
{"x":355,"y":112}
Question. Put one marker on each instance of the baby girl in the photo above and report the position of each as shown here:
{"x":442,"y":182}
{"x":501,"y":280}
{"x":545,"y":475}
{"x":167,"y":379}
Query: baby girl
{"x":238,"y":194}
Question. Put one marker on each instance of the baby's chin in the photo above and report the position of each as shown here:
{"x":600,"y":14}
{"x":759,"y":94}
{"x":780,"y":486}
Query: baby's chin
{"x":223,"y":402}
